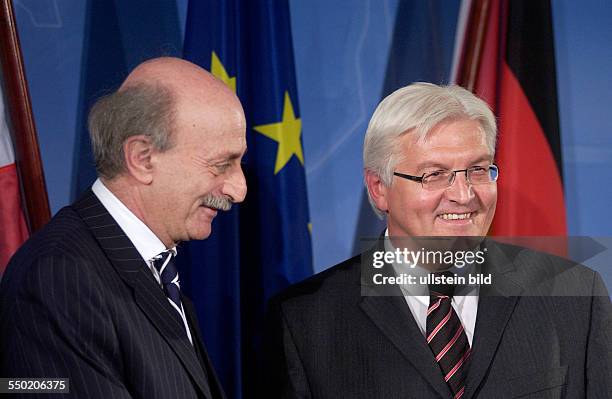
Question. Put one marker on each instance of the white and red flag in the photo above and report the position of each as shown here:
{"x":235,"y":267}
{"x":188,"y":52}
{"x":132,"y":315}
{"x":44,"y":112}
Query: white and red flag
{"x":14,"y":230}
{"x":24,"y":206}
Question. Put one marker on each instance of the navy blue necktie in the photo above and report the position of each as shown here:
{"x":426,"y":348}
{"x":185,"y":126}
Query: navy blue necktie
{"x":170,"y":280}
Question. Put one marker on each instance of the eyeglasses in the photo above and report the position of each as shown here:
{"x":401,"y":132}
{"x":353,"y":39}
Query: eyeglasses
{"x":441,"y":179}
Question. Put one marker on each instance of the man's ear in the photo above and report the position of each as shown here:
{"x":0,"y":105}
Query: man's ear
{"x":137,"y":151}
{"x":378,"y":190}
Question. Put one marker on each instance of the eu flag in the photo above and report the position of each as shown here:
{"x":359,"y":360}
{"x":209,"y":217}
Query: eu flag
{"x":262,"y":245}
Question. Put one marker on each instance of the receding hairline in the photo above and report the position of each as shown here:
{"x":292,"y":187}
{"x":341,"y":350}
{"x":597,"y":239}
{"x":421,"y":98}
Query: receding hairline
{"x":181,"y":77}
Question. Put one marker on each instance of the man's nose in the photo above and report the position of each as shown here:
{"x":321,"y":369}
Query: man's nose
{"x":235,"y":187}
{"x":461,"y":190}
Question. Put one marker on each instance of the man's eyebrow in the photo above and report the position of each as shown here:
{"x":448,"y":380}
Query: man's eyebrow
{"x":435,"y":164}
{"x":229,"y":156}
{"x":430,"y":164}
{"x":487,"y":158}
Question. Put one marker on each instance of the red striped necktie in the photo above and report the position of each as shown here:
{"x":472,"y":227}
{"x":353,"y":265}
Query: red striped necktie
{"x":446,"y":337}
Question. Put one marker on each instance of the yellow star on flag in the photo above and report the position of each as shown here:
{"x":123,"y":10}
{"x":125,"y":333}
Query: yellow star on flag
{"x":217,"y":69}
{"x":287,"y":134}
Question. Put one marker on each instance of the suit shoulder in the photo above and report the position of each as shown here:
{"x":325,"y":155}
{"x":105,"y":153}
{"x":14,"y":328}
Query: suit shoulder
{"x":326,"y":284}
{"x":538,"y":270}
{"x":64,"y":242}
{"x":65,"y":233}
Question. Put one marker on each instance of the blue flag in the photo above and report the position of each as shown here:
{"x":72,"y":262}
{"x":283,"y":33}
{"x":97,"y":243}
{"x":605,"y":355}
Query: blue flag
{"x":262,"y":245}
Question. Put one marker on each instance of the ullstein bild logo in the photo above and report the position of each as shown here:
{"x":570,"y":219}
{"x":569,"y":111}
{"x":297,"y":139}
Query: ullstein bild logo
{"x":431,"y":279}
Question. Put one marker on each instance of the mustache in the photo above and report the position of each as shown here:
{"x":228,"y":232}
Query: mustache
{"x":221,"y":202}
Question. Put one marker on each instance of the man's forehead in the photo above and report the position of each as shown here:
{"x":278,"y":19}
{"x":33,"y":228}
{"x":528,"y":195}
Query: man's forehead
{"x":221,"y":148}
{"x":448,"y":155}
{"x":446,"y":147}
{"x":463,"y":132}
{"x":230,"y":149}
{"x":217,"y":122}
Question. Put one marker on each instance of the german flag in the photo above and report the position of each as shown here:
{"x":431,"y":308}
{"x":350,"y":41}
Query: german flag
{"x":508,"y":60}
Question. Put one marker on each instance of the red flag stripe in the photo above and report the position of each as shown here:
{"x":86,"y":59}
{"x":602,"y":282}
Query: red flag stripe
{"x":14,"y":230}
{"x":531,"y":185}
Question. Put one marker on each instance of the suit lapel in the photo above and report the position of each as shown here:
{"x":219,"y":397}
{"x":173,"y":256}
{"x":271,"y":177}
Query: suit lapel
{"x":495,"y":306}
{"x":135,"y":272}
{"x":388,"y":310}
{"x":215,"y":386}
{"x":195,"y":330}
{"x":392,"y":316}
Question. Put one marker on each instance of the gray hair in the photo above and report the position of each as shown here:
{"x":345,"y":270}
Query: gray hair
{"x":418,"y":108}
{"x":143,"y":109}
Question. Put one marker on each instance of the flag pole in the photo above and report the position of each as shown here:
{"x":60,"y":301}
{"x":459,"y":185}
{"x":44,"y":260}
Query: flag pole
{"x":20,"y":118}
{"x":473,"y":44}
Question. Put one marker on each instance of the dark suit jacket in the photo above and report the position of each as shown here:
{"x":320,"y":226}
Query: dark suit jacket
{"x":326,"y":340}
{"x":77,"y":301}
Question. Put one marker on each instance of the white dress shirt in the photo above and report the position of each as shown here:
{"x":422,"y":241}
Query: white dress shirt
{"x":145,"y":241}
{"x":417,"y":298}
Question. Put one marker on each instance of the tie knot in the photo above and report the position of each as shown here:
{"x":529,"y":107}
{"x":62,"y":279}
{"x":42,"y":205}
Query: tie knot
{"x":166,"y":268}
{"x":441,"y":285}
{"x":161,"y":259}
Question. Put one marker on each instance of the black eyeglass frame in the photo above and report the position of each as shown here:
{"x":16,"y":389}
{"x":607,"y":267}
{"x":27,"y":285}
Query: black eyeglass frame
{"x":454,"y":175}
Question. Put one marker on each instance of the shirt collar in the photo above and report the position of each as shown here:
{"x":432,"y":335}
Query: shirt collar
{"x":421,"y":292}
{"x":145,"y":241}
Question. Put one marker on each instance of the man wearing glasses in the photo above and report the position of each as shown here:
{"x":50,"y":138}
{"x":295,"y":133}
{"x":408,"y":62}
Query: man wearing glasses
{"x":542,"y":327}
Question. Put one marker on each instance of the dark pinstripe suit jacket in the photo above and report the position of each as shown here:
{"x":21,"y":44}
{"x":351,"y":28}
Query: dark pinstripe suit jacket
{"x":77,"y":301}
{"x":543,"y":331}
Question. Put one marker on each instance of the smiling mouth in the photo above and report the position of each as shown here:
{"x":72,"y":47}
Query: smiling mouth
{"x":457,"y":216}
{"x":211,"y":211}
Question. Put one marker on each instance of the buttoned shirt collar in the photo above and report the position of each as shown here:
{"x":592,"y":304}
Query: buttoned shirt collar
{"x":420,"y":291}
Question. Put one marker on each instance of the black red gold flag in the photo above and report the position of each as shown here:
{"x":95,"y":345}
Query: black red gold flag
{"x":509,"y":60}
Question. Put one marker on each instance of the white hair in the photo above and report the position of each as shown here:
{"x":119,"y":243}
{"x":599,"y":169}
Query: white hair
{"x":417,"y":109}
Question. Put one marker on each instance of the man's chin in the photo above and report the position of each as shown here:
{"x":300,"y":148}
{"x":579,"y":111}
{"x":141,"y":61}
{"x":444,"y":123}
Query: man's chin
{"x":200,"y":226}
{"x":202,"y":232}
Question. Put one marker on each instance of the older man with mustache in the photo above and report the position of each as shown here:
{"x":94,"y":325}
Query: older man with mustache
{"x":95,"y":296}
